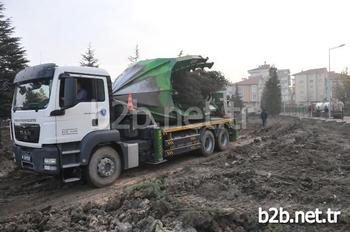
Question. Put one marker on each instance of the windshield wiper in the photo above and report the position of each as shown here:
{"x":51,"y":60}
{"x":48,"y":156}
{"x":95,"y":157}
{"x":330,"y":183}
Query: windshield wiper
{"x":17,"y":108}
{"x":31,"y":107}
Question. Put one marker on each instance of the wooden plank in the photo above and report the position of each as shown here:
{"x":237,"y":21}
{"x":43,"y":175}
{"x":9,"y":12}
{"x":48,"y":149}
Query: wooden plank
{"x":197,"y":125}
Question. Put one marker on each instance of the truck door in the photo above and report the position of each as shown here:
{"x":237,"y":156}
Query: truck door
{"x":101,"y":98}
{"x":90,"y":112}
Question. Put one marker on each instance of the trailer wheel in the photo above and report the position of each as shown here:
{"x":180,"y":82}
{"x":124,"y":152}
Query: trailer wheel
{"x":207,"y":143}
{"x":223,"y":139}
{"x":104,"y":167}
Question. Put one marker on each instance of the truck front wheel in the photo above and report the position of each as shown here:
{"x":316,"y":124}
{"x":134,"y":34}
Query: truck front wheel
{"x":104,"y":167}
{"x":207,"y":143}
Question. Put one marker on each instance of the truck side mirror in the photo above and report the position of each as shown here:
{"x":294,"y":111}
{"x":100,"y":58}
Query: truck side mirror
{"x":70,"y":92}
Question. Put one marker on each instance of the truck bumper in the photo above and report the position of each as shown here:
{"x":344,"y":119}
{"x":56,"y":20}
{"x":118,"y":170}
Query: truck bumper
{"x":42,"y":160}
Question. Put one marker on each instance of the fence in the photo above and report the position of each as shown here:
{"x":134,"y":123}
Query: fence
{"x":297,"y":110}
{"x":347,"y":110}
{"x":307,"y":111}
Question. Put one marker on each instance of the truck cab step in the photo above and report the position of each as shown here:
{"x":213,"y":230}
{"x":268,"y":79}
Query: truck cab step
{"x":70,"y":152}
{"x":156,"y":162}
{"x":70,"y":180}
{"x":71,"y":165}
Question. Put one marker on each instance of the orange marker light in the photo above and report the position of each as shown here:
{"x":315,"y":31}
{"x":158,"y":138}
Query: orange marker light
{"x":130,"y":103}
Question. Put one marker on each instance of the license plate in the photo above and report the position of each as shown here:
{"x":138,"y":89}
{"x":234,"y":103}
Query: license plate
{"x":26,"y":157}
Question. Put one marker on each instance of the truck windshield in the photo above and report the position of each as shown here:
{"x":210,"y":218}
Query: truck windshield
{"x":32,"y":95}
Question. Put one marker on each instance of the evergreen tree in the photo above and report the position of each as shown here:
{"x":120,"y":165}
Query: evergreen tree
{"x":12,"y":60}
{"x":271,"y":99}
{"x":237,"y":100}
{"x":133,"y":59}
{"x":88,"y":58}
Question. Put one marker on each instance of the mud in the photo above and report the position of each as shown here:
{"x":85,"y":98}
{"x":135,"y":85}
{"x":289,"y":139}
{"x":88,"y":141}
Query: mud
{"x":6,"y":164}
{"x":297,"y":165}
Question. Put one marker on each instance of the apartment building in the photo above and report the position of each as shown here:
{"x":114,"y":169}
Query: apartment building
{"x":262,"y":73}
{"x":251,"y":88}
{"x":285,"y":81}
{"x":248,"y":90}
{"x":315,"y":85}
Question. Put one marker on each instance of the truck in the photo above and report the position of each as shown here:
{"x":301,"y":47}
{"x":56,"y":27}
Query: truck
{"x":97,"y":138}
{"x":337,"y":109}
{"x":321,"y":109}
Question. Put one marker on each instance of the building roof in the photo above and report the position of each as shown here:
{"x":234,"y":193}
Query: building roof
{"x":283,"y":70}
{"x":311,"y":71}
{"x":261,"y":67}
{"x":248,"y":81}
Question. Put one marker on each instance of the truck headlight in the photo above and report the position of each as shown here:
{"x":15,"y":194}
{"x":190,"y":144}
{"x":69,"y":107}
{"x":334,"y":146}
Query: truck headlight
{"x":50,"y":161}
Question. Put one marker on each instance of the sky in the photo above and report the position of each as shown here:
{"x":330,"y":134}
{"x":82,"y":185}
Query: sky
{"x":235,"y":35}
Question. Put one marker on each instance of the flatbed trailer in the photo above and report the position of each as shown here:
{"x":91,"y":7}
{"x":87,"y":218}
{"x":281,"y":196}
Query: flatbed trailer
{"x":202,"y":136}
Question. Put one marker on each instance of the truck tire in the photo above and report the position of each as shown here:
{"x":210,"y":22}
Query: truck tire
{"x":104,"y":167}
{"x":207,"y":143}
{"x":222,"y":139}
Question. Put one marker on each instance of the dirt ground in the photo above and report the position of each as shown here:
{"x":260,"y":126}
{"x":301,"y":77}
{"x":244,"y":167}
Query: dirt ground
{"x":6,"y":164}
{"x":297,"y":165}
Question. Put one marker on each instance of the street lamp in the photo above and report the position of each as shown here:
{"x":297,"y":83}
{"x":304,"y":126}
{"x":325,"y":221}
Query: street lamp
{"x":328,"y":81}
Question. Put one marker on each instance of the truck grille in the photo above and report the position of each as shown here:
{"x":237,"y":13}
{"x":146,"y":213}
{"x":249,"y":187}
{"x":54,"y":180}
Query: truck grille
{"x":27,"y":133}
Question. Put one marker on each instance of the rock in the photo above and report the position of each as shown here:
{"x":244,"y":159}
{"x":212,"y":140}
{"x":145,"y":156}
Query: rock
{"x":145,"y":204}
{"x":96,"y":211}
{"x":156,"y":226}
{"x":93,"y":221}
{"x":76,"y":214}
{"x":114,"y":203}
{"x":11,"y":227}
{"x":88,"y":206}
{"x":36,"y":217}
{"x":21,"y":228}
{"x":345,"y":216}
{"x":123,"y":227}
{"x":257,"y":140}
{"x":196,"y":218}
{"x":122,"y":216}
{"x":161,"y":207}
{"x":179,"y":228}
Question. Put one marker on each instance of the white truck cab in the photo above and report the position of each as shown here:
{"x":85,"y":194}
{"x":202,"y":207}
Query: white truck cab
{"x":50,"y":123}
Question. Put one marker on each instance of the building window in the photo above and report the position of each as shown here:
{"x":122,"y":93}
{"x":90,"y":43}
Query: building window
{"x":254,"y":90}
{"x":240,"y":91}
